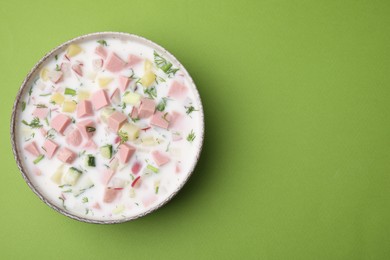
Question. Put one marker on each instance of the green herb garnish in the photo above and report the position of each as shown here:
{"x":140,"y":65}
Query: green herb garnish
{"x":190,"y":109}
{"x":164,"y":65}
{"x":191,"y":136}
{"x":41,"y":106}
{"x":163,"y":103}
{"x":123,"y":136}
{"x":102,"y":42}
{"x":85,"y":200}
{"x":35,"y":123}
{"x":58,"y":68}
{"x":23,"y":105}
{"x":151,"y":92}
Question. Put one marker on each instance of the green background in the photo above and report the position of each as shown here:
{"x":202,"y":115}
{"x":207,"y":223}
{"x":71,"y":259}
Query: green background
{"x":296,"y":158}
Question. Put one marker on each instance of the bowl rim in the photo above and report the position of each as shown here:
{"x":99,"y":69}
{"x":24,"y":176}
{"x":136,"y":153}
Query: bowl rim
{"x":27,"y":81}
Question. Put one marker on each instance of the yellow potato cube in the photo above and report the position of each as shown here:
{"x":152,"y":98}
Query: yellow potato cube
{"x":83,"y":94}
{"x":57,"y":175}
{"x":44,"y":74}
{"x":69,"y":106}
{"x":148,"y":65}
{"x":73,"y":50}
{"x":147,"y":79}
{"x":131,"y":98}
{"x":103,"y":82}
{"x":131,"y":130}
{"x":105,"y":113}
{"x":57,"y":98}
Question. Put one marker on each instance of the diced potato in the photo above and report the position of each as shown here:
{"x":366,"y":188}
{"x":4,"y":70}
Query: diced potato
{"x":147,"y":79}
{"x":103,"y":82}
{"x":57,"y":175}
{"x":105,"y":113}
{"x":114,"y":164}
{"x":148,"y":141}
{"x":69,"y":106}
{"x":57,"y":98}
{"x":83,"y":94}
{"x":131,"y":130}
{"x":131,"y":98}
{"x":148,"y":65}
{"x":119,"y":209}
{"x":73,"y":50}
{"x":132,"y":193}
{"x":92,"y":76}
{"x":44,"y":74}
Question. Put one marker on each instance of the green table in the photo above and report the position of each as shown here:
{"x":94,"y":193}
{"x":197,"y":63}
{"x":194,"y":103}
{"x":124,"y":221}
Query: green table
{"x":296,"y":160}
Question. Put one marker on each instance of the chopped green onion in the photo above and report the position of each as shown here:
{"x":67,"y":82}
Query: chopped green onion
{"x":38,"y":159}
{"x":152,"y":168}
{"x":69,"y":91}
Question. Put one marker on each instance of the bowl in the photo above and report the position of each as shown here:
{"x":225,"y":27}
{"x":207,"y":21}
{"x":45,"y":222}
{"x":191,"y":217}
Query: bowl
{"x":32,"y":76}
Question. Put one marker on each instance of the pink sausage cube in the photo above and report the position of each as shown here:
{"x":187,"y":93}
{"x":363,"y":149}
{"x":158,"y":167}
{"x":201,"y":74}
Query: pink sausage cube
{"x":77,"y":68}
{"x":107,"y":175}
{"x":115,"y":97}
{"x":116,"y":120}
{"x":50,"y":148}
{"x":133,"y":60}
{"x":100,"y":99}
{"x":114,"y":63}
{"x":146,"y":108}
{"x":55,"y":76}
{"x":90,"y":145}
{"x":32,"y":149}
{"x":60,"y":123}
{"x":123,"y":83}
{"x":41,"y":112}
{"x":160,"y":119}
{"x":97,"y":64}
{"x":84,"y":108}
{"x":65,"y":155}
{"x":177,"y":90}
{"x":110,"y":195}
{"x":101,"y":51}
{"x":87,"y":128}
{"x":160,"y":158}
{"x":74,"y":137}
{"x":125,"y":152}
{"x":134,"y":113}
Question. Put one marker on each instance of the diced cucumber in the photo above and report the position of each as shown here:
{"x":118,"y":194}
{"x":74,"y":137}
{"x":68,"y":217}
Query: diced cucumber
{"x":71,"y":176}
{"x":90,"y":160}
{"x":106,"y":151}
